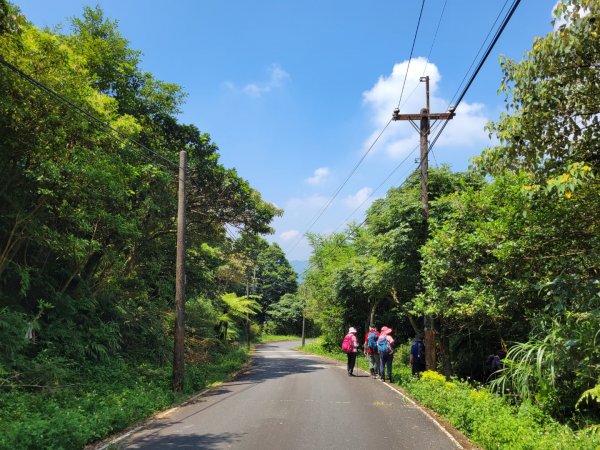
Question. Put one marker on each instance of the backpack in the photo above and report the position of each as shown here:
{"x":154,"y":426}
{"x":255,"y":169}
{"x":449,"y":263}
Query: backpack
{"x":383,"y":346}
{"x":347,"y":345}
{"x":372,"y":341}
{"x":493,"y":363}
{"x":420,"y":352}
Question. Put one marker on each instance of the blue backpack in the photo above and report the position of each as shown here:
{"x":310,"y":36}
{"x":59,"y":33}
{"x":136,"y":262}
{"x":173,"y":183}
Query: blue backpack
{"x":383,"y":346}
{"x":372,"y":341}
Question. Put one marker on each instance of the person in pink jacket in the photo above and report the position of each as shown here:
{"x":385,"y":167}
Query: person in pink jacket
{"x":385,"y":347}
{"x":349,"y":347}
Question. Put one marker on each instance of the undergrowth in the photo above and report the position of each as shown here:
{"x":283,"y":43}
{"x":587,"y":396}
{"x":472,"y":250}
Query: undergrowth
{"x":110,"y":398}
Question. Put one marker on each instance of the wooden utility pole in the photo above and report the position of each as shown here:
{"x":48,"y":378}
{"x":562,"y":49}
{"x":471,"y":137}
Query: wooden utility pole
{"x":247,"y":315}
{"x":178,"y":350}
{"x":304,"y":319}
{"x":424,"y":129}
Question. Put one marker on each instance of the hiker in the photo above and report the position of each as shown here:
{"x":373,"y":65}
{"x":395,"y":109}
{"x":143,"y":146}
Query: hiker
{"x":370,"y":350}
{"x":349,"y":346}
{"x":417,"y":356}
{"x":385,"y":348}
{"x":493,"y":364}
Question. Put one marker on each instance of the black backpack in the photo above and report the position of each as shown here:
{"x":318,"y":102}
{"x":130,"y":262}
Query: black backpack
{"x":420,"y":352}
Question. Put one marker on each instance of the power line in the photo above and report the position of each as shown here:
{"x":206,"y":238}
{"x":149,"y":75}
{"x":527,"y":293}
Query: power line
{"x":338,"y":190}
{"x":467,"y":86}
{"x":428,"y":54}
{"x":394,"y":170}
{"x":320,"y":214}
{"x":87,"y":115}
{"x":411,"y":52}
{"x":434,"y":158}
{"x":378,"y":187}
{"x":490,"y":48}
{"x":480,"y":64}
{"x":479,"y":51}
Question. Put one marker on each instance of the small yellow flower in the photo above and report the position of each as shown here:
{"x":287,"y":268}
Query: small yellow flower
{"x":565,"y":177}
{"x":568,"y":194}
{"x":586,"y":168}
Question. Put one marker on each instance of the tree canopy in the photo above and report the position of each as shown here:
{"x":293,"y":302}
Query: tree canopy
{"x":88,"y":202}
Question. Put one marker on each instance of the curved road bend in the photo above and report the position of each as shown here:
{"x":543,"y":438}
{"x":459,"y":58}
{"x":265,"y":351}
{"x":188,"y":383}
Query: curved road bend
{"x":290,"y":400}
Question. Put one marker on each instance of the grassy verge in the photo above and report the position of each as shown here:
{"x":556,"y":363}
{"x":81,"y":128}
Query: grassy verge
{"x":277,"y":337}
{"x":110,"y":398}
{"x":487,"y":419}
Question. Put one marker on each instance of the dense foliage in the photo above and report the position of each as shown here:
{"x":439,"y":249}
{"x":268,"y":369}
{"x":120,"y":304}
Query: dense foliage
{"x":88,"y":200}
{"x":511,"y":260}
{"x":103,"y":400}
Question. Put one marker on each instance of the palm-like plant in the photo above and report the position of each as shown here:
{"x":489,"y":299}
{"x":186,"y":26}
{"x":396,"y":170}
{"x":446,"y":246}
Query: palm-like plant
{"x":530,"y":368}
{"x":235,"y":311}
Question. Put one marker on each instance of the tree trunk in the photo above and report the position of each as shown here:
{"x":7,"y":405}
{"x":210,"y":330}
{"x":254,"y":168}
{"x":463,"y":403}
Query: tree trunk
{"x":413,"y":323}
{"x":445,"y":341}
{"x":372,"y":312}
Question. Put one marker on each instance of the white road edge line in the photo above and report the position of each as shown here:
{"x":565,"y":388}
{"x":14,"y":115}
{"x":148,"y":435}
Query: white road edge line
{"x":446,"y":432}
{"x":416,"y":405}
{"x":147,"y":421}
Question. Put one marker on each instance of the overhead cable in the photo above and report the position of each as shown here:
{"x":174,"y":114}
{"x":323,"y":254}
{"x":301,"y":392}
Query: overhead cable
{"x":318,"y":216}
{"x":90,"y":117}
{"x":479,"y":66}
{"x":411,"y":52}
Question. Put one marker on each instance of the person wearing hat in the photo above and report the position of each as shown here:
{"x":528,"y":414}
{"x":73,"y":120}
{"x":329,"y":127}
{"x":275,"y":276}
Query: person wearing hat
{"x":385,"y":348}
{"x":349,"y":347}
{"x":370,"y":350}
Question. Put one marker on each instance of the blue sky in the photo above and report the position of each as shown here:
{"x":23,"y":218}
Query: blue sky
{"x":294,"y":93}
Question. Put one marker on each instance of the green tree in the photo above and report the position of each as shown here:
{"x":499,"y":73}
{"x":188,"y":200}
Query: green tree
{"x":87,"y":217}
{"x":274,"y":277}
{"x":517,"y":261}
{"x":285,"y":316}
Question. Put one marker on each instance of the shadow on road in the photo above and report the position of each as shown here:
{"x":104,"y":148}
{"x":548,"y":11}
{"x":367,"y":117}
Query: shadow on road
{"x":205,"y":441}
{"x":268,"y":363}
{"x":266,"y":366}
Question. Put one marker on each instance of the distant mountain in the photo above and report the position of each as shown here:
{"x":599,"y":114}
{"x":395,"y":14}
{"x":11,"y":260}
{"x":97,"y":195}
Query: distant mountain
{"x":299,"y":267}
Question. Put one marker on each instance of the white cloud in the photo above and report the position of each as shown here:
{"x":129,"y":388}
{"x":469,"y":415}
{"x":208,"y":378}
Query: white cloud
{"x":358,"y":199}
{"x":318,"y":176}
{"x":400,"y":137}
{"x":277,"y":77}
{"x":289,"y":235}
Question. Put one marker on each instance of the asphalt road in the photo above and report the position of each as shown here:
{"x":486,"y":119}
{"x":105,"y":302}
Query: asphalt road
{"x":290,"y":400}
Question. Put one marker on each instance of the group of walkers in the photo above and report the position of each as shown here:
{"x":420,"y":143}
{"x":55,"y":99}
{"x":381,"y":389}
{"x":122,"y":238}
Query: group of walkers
{"x":379,"y":348}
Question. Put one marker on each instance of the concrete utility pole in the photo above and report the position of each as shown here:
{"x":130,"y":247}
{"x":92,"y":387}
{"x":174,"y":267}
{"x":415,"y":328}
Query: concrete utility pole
{"x":178,"y":350}
{"x":424,"y":129}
